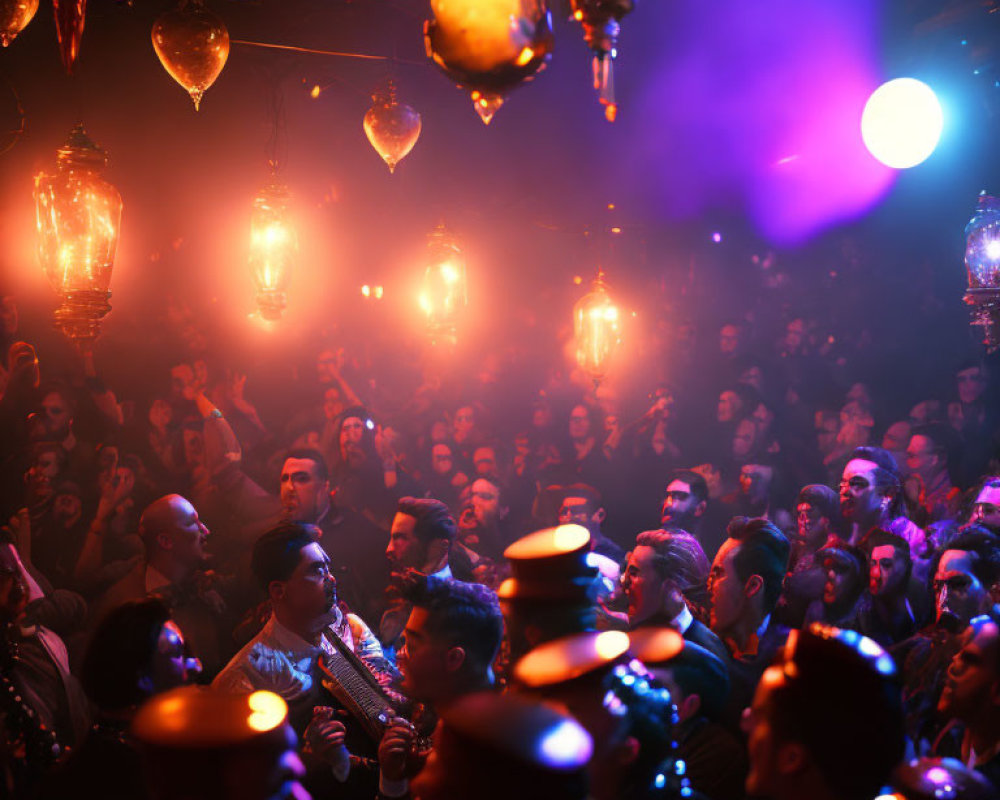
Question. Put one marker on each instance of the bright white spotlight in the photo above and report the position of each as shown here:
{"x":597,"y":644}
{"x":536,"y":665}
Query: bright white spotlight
{"x":902,"y":123}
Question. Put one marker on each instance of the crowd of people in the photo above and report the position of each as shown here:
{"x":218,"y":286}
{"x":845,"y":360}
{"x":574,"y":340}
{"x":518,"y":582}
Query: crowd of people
{"x":755,"y":576}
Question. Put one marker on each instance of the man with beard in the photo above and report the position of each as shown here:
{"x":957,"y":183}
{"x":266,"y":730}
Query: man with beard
{"x":986,"y":506}
{"x":971,"y":695}
{"x":845,"y":569}
{"x":582,"y":505}
{"x":885,"y":614}
{"x":175,"y":541}
{"x":284,"y":657}
{"x":687,"y":507}
{"x":481,"y":528}
{"x":452,"y":637}
{"x":966,"y":578}
{"x":871,"y":497}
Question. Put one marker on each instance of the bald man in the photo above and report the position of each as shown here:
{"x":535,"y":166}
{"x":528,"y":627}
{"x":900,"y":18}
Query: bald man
{"x":173,"y":568}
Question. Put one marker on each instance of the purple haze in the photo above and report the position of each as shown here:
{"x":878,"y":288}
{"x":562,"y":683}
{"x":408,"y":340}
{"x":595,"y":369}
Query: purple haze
{"x":761,"y":101}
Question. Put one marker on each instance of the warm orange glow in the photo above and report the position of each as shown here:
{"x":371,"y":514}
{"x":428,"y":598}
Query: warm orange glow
{"x":611,"y":111}
{"x":267,"y":711}
{"x":611,"y":644}
{"x":378,"y":292}
{"x":315,"y":91}
{"x":549,"y":542}
{"x":78,"y":215}
{"x":366,"y":290}
{"x":597,"y":329}
{"x":192,"y":44}
{"x":525,"y":56}
{"x":392,"y":127}
{"x":14,"y":17}
{"x":578,"y":15}
{"x":443,"y":295}
{"x":577,"y":280}
{"x":273,"y":247}
{"x":616,"y":229}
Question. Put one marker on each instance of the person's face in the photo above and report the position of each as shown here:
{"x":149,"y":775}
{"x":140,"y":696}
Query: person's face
{"x":310,"y":593}
{"x":160,"y":413}
{"x":441,"y":459}
{"x":8,"y":316}
{"x":886,"y":571}
{"x":680,"y":506}
{"x":47,"y":464}
{"x":439,"y":431}
{"x":762,"y":417}
{"x":171,"y":667}
{"x":326,"y":366}
{"x":579,"y":423}
{"x":729,"y":406}
{"x":755,"y":480}
{"x":958,"y":594}
{"x":576,"y":511}
{"x":971,"y":688}
{"x":763,"y":746}
{"x":729,"y":339}
{"x":423,"y":660}
{"x":725,"y":588}
{"x":485,"y":501}
{"x":896,"y":437}
{"x":986,"y":509}
{"x":485,"y":461}
{"x":859,"y":499}
{"x":840,"y":580}
{"x":744,"y":438}
{"x":919,"y":414}
{"x":187,"y":536}
{"x":541,"y":416}
{"x":465,"y":420}
{"x":642,"y":585}
{"x":971,"y":384}
{"x":56,"y":413}
{"x":181,"y":380}
{"x":920,"y":457}
{"x":304,"y":497}
{"x":350,"y":437}
{"x":67,"y":509}
{"x":812,"y":527}
{"x":826,"y":434}
{"x":405,"y":549}
{"x":753,"y":376}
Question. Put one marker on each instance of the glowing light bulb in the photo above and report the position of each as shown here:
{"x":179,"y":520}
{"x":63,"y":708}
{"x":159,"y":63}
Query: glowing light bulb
{"x":902,"y":123}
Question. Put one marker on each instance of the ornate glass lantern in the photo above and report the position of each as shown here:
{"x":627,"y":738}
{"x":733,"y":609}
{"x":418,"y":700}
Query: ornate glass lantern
{"x":443,"y":293}
{"x":392,"y":127}
{"x":78,"y":215}
{"x":601,"y":25}
{"x":597,"y":326}
{"x":273,"y":247}
{"x":982,"y":264}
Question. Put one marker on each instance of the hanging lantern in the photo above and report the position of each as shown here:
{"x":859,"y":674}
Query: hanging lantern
{"x":273,"y":247}
{"x":982,"y":264}
{"x":600,"y":20}
{"x":392,"y":127}
{"x":78,"y":214}
{"x":443,"y":294}
{"x":14,"y":18}
{"x":70,"y":17}
{"x":192,"y":43}
{"x":597,"y":326}
{"x":489,"y":46}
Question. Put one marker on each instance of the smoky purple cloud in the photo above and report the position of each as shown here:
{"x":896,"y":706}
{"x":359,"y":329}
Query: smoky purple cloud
{"x":759,"y":102}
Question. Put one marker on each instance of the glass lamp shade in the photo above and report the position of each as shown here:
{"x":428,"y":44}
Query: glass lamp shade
{"x":600,"y":20}
{"x":982,"y":265}
{"x":597,"y":327}
{"x":14,"y":18}
{"x":273,"y":248}
{"x":489,"y":46}
{"x":443,"y":293}
{"x":78,"y":215}
{"x":192,"y":43}
{"x":392,"y":128}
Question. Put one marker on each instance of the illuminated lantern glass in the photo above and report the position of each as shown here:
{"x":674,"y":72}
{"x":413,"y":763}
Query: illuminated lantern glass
{"x":391,"y":127}
{"x":78,"y":215}
{"x":443,"y":294}
{"x":597,"y":326}
{"x":273,"y":248}
{"x":982,"y":264}
{"x":192,"y":43}
{"x":600,"y":20}
{"x":14,"y":18}
{"x":489,"y":46}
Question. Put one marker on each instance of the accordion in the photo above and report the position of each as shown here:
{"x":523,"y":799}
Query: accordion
{"x":353,"y":684}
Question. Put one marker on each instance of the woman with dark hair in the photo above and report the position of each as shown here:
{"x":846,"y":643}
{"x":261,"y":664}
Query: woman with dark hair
{"x":137,"y":651}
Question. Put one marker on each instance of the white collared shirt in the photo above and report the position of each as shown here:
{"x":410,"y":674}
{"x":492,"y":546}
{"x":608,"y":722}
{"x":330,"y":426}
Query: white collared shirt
{"x":682,"y":621}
